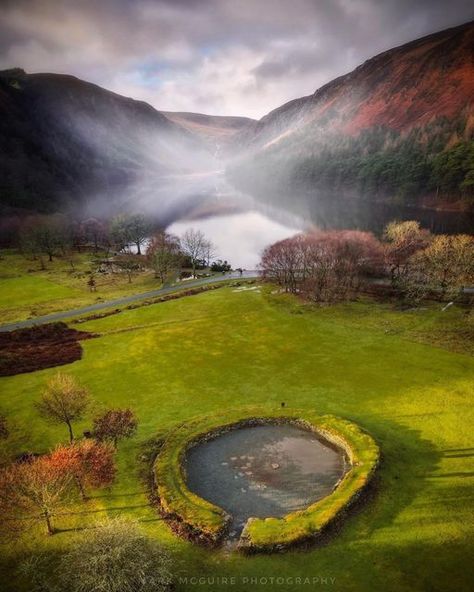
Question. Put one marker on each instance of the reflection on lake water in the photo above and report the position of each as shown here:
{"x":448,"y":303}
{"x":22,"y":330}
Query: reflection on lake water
{"x":241,"y":226}
{"x":239,"y":238}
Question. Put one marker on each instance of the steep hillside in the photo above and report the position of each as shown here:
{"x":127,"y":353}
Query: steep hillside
{"x":64,"y":141}
{"x":399,"y":127}
{"x":218,"y":131}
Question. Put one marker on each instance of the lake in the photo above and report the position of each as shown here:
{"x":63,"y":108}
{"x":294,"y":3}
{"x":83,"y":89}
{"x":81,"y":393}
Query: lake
{"x":241,"y":226}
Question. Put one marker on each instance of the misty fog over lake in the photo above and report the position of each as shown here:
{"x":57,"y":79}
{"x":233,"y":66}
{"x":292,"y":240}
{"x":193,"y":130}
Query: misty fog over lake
{"x":241,"y":226}
{"x":239,"y":238}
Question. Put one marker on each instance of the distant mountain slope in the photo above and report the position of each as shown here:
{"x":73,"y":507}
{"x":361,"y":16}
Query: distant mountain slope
{"x":215,"y":129}
{"x":399,"y":127}
{"x":63,"y":141}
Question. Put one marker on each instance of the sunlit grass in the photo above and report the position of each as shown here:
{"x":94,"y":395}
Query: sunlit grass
{"x":27,"y":290}
{"x":224,"y":349}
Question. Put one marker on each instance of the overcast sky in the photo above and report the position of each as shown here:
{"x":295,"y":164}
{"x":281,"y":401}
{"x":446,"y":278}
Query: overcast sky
{"x":223,"y":57}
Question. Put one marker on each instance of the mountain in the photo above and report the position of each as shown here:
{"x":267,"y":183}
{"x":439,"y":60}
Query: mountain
{"x":216,"y":130}
{"x":64,"y":141}
{"x":398,"y":128}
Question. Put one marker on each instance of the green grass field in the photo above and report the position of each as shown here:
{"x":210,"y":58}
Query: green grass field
{"x":29,"y":291}
{"x":407,"y":378}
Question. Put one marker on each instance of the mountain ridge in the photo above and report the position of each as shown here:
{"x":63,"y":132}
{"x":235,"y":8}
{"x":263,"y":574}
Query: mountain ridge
{"x":64,"y":140}
{"x":399,"y":127}
{"x":408,"y":98}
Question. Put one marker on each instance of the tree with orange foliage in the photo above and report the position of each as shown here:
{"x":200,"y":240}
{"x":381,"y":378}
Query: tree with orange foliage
{"x":34,"y":490}
{"x":91,"y":463}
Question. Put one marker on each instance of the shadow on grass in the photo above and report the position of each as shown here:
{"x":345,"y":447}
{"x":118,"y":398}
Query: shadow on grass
{"x":458,"y":452}
{"x":458,"y":474}
{"x":107,"y":509}
{"x":382,"y":546}
{"x":414,"y":566}
{"x":407,"y":461}
{"x":117,"y":495}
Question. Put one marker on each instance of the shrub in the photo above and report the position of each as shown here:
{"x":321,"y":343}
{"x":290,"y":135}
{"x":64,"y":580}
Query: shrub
{"x":116,"y":556}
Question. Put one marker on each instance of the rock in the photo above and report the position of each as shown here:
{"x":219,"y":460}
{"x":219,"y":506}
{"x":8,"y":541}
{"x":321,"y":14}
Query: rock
{"x":248,"y":473}
{"x":224,"y":463}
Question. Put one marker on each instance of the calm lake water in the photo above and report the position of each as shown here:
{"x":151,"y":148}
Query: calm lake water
{"x":241,"y":226}
{"x":262,"y":471}
{"x":240,"y":238}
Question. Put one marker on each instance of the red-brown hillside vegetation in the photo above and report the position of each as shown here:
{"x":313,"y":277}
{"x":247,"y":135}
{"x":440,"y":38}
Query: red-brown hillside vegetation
{"x":399,"y":127}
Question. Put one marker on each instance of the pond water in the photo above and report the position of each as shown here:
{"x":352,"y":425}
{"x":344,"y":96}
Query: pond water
{"x":262,"y":471}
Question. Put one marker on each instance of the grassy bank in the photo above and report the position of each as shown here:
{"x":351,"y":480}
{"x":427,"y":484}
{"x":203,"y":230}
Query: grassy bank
{"x":223,"y":349}
{"x":199,"y":520}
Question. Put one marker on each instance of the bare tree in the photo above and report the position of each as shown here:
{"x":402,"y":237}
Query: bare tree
{"x":209,"y":251}
{"x":94,"y":232}
{"x":446,"y":265}
{"x":128,"y":263}
{"x":403,"y":240}
{"x":283,"y":263}
{"x":164,"y":254}
{"x":138,"y":230}
{"x":115,"y":425}
{"x":45,"y":235}
{"x":326,"y":266}
{"x":63,"y":401}
{"x":127,"y":229}
{"x":195,"y":246}
{"x":119,"y":232}
{"x":117,"y":556}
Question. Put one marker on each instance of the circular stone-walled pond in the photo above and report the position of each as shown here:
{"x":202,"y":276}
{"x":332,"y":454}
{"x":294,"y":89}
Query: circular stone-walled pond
{"x":262,"y":471}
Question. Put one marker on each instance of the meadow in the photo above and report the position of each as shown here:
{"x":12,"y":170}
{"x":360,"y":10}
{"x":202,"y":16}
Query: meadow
{"x":405,"y":377}
{"x":29,"y":291}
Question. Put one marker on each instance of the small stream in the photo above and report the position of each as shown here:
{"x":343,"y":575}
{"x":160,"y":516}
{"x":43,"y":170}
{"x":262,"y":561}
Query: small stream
{"x":262,"y":471}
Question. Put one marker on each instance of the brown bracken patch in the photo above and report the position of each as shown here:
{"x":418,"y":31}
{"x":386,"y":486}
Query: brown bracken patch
{"x":36,"y":348}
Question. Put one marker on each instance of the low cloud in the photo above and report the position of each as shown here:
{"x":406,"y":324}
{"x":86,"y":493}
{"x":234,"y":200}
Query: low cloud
{"x":227,"y":57}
